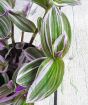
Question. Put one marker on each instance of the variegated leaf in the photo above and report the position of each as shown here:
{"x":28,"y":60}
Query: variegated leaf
{"x":11,"y":2}
{"x":5,"y":5}
{"x":5,"y":27}
{"x":48,"y":79}
{"x":22,"y":23}
{"x":19,"y":100}
{"x":51,"y":29}
{"x":32,"y":53}
{"x":54,"y":26}
{"x":67,"y":32}
{"x":27,"y":73}
{"x":6,"y":89}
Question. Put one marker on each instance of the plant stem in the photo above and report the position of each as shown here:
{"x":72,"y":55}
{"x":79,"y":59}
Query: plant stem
{"x":33,"y":37}
{"x":12,"y":35}
{"x":22,"y":37}
{"x":55,"y":98}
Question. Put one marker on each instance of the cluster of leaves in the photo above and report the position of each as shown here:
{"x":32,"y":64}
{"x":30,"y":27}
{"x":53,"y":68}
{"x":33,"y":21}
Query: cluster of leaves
{"x":27,"y":73}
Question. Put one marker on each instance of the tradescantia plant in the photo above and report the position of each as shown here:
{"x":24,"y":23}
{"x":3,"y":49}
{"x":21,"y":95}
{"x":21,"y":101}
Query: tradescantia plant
{"x":28,"y":73}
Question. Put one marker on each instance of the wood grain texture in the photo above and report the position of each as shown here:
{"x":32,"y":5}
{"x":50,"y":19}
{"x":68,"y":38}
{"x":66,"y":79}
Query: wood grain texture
{"x":74,"y":89}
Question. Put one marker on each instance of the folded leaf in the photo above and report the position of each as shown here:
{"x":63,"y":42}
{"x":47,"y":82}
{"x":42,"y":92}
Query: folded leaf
{"x":48,"y":79}
{"x":27,"y":73}
{"x":22,"y":23}
{"x":67,"y":32}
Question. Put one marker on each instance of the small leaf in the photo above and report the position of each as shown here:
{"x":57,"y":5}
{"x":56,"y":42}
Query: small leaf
{"x":57,"y":43}
{"x":21,"y":22}
{"x":27,"y":73}
{"x":32,"y":53}
{"x":48,"y":79}
{"x":19,"y":100}
{"x":6,"y":89}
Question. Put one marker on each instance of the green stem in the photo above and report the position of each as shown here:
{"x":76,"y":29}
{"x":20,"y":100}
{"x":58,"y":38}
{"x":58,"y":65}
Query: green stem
{"x":33,"y":37}
{"x":12,"y":35}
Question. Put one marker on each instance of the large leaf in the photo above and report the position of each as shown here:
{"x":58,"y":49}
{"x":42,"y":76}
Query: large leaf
{"x":55,"y":32}
{"x":51,"y":29}
{"x":22,"y":23}
{"x":27,"y":73}
{"x":5,"y":26}
{"x":48,"y":79}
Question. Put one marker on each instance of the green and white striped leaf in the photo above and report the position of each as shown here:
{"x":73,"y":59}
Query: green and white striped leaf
{"x":33,"y":53}
{"x":22,"y":22}
{"x":27,"y":73}
{"x":48,"y":79}
{"x":5,"y":5}
{"x":5,"y":27}
{"x":67,"y":31}
{"x":6,"y":90}
{"x":65,"y":2}
{"x":19,"y":100}
{"x":11,"y":2}
{"x":51,"y":29}
{"x":54,"y":26}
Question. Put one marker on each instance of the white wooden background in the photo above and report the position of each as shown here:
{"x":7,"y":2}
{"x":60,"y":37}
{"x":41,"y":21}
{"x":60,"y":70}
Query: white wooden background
{"x":74,"y":89}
